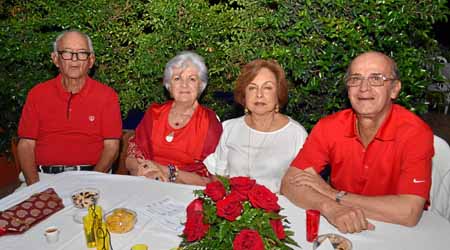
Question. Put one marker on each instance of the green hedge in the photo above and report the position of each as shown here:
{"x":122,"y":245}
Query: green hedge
{"x":313,"y":40}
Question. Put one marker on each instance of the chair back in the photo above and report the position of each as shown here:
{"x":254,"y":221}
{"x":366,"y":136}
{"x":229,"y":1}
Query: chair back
{"x":120,"y":163}
{"x":440,"y":186}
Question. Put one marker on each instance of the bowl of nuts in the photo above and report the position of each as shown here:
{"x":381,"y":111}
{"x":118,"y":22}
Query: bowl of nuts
{"x":338,"y":242}
{"x":120,"y":220}
{"x":85,"y":197}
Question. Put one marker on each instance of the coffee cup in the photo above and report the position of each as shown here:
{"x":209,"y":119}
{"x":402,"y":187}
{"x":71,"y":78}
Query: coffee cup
{"x":51,"y":234}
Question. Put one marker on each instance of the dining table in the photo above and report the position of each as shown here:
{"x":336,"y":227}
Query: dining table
{"x":160,"y":209}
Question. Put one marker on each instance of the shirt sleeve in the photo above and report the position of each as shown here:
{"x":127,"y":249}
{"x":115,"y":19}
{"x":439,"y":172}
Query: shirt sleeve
{"x":301,"y":135}
{"x":111,"y":118}
{"x":315,"y":152}
{"x":415,"y":176}
{"x":29,"y":121}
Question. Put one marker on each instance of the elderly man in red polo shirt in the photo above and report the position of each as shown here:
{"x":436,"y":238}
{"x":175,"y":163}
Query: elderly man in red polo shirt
{"x":379,"y":154}
{"x":70,"y":122}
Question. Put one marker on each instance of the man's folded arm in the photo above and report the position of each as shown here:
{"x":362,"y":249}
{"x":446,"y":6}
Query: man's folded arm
{"x":25,"y":151}
{"x":108,"y":156}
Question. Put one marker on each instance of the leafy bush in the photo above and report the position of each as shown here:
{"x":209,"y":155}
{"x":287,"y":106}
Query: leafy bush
{"x":313,"y":40}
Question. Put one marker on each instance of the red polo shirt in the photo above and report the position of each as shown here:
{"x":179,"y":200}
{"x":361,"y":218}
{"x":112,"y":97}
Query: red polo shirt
{"x":397,"y":161}
{"x":69,"y":129}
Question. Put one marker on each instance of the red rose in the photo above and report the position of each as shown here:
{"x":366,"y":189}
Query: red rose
{"x":195,"y":229}
{"x":261,"y":197}
{"x":229,"y":208}
{"x":241,"y":186}
{"x":196,"y":206}
{"x":248,"y":240}
{"x":278,"y":228}
{"x":215,"y":190}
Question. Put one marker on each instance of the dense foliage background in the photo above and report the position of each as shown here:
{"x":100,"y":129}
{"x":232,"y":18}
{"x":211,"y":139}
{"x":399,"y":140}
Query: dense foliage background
{"x":313,"y":40}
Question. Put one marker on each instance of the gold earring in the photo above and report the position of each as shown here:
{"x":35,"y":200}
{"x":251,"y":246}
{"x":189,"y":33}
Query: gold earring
{"x":277,"y":108}
{"x":246,"y":110}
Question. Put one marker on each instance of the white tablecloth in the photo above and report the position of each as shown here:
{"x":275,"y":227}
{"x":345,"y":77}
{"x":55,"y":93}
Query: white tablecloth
{"x":432,"y":232}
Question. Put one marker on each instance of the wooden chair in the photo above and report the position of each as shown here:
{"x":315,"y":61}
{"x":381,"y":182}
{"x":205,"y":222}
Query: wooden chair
{"x":120,"y":165}
{"x":10,"y":169}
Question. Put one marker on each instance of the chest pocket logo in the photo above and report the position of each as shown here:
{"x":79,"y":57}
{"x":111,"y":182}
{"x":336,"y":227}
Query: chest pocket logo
{"x":91,"y":118}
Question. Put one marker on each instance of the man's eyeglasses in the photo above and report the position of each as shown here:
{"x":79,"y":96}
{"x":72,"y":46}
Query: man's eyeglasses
{"x":68,"y":55}
{"x":374,"y":80}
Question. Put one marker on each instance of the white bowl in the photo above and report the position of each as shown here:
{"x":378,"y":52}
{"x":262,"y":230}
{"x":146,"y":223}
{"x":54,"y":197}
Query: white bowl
{"x":79,"y":214}
{"x":338,"y":242}
{"x":85,"y":197}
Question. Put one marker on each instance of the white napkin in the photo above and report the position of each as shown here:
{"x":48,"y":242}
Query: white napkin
{"x":326,"y":245}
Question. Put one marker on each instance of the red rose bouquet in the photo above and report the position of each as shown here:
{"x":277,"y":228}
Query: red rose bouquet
{"x":236,"y":214}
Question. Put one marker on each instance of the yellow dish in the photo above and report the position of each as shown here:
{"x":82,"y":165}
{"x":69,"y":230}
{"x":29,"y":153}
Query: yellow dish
{"x":120,"y":220}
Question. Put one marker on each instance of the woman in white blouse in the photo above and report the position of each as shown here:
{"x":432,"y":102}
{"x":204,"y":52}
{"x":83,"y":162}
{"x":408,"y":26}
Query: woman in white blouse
{"x":262,"y":143}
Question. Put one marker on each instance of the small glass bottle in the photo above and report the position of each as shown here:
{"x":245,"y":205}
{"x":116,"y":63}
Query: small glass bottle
{"x":89,"y":233}
{"x":91,"y":222}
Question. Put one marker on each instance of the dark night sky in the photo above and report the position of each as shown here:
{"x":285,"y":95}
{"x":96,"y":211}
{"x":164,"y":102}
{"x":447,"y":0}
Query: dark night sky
{"x":442,"y":31}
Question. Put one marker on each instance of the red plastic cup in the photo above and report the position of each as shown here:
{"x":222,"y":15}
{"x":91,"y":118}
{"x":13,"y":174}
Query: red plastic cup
{"x":312,"y":224}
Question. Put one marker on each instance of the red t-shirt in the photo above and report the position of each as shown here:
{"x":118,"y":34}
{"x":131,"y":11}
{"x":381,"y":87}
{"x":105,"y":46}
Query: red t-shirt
{"x":397,"y":161}
{"x":69,"y":129}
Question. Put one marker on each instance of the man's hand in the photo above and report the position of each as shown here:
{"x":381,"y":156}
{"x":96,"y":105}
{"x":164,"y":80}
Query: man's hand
{"x":310,"y":178}
{"x":345,"y":219}
{"x":348,"y":219}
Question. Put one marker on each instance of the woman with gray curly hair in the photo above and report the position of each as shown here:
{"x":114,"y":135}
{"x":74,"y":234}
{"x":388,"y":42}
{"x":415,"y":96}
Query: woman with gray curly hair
{"x":173,"y":138}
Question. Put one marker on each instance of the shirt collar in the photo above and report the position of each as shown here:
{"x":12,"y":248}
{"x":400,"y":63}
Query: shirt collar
{"x":63,"y":92}
{"x":386,"y":132}
{"x":388,"y":129}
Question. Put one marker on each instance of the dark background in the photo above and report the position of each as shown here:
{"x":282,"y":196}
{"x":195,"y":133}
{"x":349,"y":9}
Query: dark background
{"x":442,"y":32}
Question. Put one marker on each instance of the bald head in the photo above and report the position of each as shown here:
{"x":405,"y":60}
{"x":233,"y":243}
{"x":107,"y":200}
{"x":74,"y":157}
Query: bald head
{"x":371,"y":56}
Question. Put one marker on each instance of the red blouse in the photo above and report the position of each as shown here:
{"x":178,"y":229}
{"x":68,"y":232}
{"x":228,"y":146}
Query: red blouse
{"x":186,"y":147}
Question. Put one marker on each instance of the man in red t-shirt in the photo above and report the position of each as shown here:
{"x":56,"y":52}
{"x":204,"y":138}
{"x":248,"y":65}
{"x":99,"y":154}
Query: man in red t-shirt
{"x":379,"y":153}
{"x":70,"y":122}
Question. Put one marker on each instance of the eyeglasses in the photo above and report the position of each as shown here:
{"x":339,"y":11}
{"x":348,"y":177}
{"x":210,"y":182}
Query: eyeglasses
{"x":68,"y":55}
{"x":374,"y":80}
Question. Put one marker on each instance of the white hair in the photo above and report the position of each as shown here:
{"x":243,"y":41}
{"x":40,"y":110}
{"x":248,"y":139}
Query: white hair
{"x":61,"y":35}
{"x":182,"y":61}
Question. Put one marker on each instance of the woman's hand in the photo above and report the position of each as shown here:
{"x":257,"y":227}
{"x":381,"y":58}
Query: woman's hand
{"x":151,"y":170}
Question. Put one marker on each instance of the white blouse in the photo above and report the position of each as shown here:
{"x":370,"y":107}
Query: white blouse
{"x":263,"y":156}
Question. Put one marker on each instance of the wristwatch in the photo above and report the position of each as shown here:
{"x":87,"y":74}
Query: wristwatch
{"x":340,"y":195}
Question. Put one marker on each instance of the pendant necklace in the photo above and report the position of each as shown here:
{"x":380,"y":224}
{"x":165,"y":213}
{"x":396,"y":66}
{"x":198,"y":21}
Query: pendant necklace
{"x":169,"y":137}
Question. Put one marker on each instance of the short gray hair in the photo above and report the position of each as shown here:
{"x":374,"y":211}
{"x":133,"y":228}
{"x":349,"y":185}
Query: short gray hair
{"x":62,"y":34}
{"x":184,"y":60}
